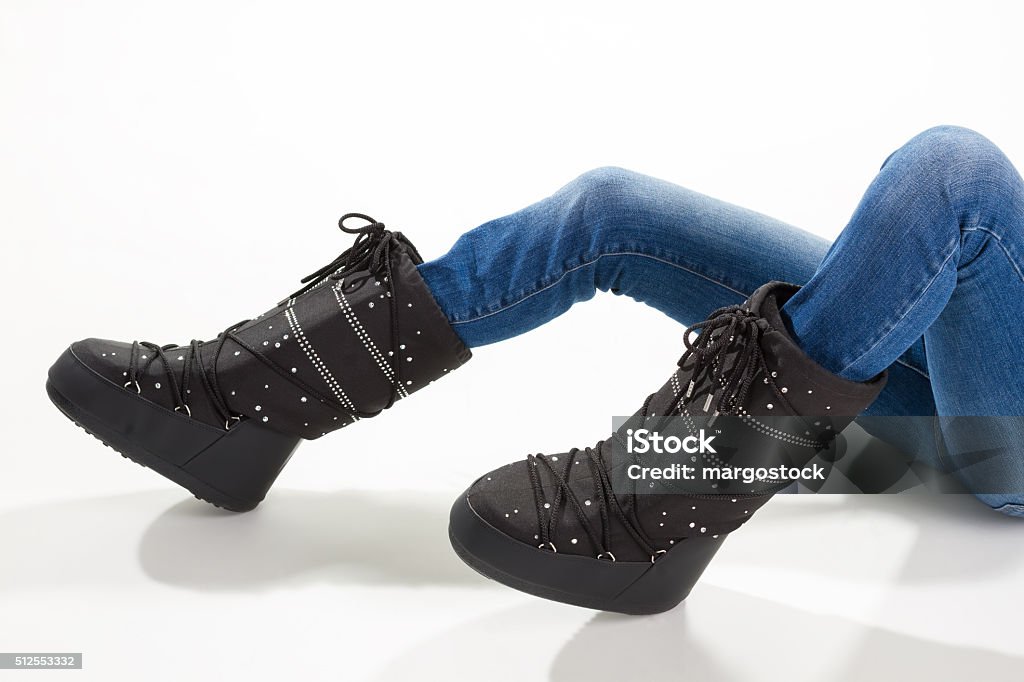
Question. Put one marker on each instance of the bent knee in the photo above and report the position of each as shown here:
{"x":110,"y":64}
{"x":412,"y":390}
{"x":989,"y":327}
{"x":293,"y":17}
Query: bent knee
{"x":956,"y":152}
{"x":606,"y":180}
{"x":607,"y":193}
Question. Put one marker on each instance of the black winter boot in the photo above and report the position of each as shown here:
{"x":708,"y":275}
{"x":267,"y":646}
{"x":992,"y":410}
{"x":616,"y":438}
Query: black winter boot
{"x":580,"y":527}
{"x":222,"y":417}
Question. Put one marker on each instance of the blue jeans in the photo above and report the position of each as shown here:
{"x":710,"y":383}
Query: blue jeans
{"x":925,"y":280}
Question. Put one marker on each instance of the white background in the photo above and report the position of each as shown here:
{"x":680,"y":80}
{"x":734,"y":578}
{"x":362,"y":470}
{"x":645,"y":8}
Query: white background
{"x":170,"y":168}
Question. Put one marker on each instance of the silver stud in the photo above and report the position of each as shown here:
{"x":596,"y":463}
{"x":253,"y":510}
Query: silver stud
{"x":785,"y":390}
{"x":266,"y":419}
{"x":294,"y":370}
{"x":775,"y":374}
{"x":692,"y":524}
{"x":809,"y":392}
{"x":770,"y":406}
{"x":157,"y":385}
{"x":258,"y":408}
{"x":828,"y":407}
{"x":303,"y":398}
{"x":371,"y":304}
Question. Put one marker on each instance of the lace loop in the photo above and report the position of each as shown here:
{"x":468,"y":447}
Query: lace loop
{"x":605,"y":497}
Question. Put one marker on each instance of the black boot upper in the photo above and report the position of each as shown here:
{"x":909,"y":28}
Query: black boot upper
{"x":362,"y":333}
{"x":743,"y":368}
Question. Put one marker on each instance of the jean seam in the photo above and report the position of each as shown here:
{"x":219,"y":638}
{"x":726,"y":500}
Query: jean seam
{"x":892,"y":327}
{"x":913,"y":369}
{"x":1002,"y":247}
{"x":569,"y":271}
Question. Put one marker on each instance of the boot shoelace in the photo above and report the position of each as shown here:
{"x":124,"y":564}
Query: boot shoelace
{"x":732,"y":330}
{"x":607,"y":503}
{"x":729,"y":330}
{"x":371,"y":251}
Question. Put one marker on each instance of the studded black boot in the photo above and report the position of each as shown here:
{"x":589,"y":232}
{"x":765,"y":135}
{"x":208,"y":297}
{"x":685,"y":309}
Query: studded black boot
{"x":609,"y":528}
{"x":222,"y":417}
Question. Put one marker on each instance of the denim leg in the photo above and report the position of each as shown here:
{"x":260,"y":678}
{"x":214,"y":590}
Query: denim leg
{"x":610,"y":229}
{"x":935,"y":250}
{"x":684,"y":253}
{"x":678,"y":251}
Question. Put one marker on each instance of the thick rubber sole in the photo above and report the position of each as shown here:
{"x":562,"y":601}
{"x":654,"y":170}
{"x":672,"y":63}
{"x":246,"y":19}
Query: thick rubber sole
{"x":230,"y":469}
{"x":634,"y":588}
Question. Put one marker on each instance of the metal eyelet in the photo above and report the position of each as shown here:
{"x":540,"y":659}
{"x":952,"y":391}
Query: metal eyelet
{"x":606,"y":556}
{"x":188,"y":412}
{"x":138,"y":389}
{"x":546,"y":545}
{"x":657,"y":554}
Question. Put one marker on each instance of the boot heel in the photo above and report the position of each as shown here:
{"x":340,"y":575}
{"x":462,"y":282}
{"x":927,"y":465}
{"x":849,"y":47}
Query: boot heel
{"x":669,"y":580}
{"x":239,"y":468}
